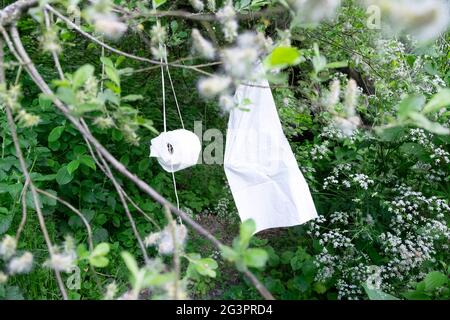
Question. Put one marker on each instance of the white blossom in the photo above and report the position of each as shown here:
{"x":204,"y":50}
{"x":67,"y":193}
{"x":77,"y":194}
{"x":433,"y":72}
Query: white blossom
{"x":424,"y":19}
{"x":214,"y":85}
{"x":164,"y":240}
{"x":8,"y":247}
{"x":316,"y":10}
{"x":109,"y":25}
{"x":198,"y":5}
{"x":21,"y":264}
{"x":202,"y":46}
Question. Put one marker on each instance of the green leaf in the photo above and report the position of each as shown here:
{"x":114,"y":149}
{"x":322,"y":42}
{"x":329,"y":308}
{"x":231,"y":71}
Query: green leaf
{"x":13,"y":293}
{"x":434,"y":280}
{"x":101,"y":249}
{"x":85,"y":108}
{"x":375,"y":294}
{"x":438,"y":101}
{"x":130,"y":262}
{"x":73,"y":166}
{"x":246,"y":231}
{"x":319,"y":287}
{"x":88,"y":161}
{"x":228,"y":253}
{"x":296,"y":262}
{"x":255,"y":257}
{"x":144,"y":164}
{"x":157,"y":3}
{"x":81,"y":75}
{"x":416,"y":295}
{"x":337,"y":64}
{"x":67,"y":95}
{"x":132,"y":97}
{"x":99,"y":261}
{"x":113,"y":75}
{"x":282,"y":57}
{"x":206,"y":267}
{"x":6,"y":217}
{"x":410,"y":104}
{"x":158,"y":279}
{"x":63,"y":176}
{"x":421,"y":121}
{"x":45,"y":102}
{"x":55,"y":134}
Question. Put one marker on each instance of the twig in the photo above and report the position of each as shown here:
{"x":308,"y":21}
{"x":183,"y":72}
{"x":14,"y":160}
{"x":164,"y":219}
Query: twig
{"x":117,"y":51}
{"x":76,"y":211}
{"x":176,"y":253}
{"x":36,"y":201}
{"x":54,"y":54}
{"x":23,"y":221}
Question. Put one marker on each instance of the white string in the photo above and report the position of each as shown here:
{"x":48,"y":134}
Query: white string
{"x":173,"y":89}
{"x":163,"y":96}
{"x":165,"y":120}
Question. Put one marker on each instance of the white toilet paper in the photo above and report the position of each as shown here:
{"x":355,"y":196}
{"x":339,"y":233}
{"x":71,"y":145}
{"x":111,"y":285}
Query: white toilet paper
{"x":176,"y":150}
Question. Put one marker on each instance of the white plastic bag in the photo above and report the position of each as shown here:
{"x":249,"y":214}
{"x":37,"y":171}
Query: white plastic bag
{"x":176,"y":150}
{"x":261,"y":169}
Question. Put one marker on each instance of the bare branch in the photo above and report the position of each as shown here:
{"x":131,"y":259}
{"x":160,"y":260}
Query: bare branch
{"x":35,"y":196}
{"x":176,"y":253}
{"x":54,"y":54}
{"x":117,"y":51}
{"x":23,"y":221}
{"x":14,"y":11}
{"x":76,"y":211}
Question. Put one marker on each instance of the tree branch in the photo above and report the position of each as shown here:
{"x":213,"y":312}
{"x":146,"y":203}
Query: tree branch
{"x":35,"y":196}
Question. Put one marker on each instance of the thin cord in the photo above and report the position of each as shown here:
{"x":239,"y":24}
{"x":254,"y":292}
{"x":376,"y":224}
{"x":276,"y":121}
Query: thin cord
{"x":164,"y":95}
{"x":165,"y":120}
{"x":173,"y":88}
{"x":175,"y":188}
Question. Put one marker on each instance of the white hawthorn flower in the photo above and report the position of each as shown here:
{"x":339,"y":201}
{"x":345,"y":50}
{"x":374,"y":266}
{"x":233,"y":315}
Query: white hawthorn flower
{"x":164,"y":240}
{"x":111,"y":291}
{"x":21,"y":264}
{"x":27,"y":119}
{"x":227,"y":17}
{"x":347,"y":125}
{"x":226,"y":102}
{"x":351,"y":97}
{"x":158,"y":34}
{"x":335,"y":91}
{"x":239,"y":62}
{"x":3,"y":278}
{"x":61,"y":261}
{"x":104,"y":122}
{"x":423,"y":19}
{"x":211,"y":5}
{"x":316,"y":10}
{"x":197,"y":5}
{"x":152,"y":239}
{"x":212,"y":86}
{"x":109,"y":25}
{"x":8,"y":247}
{"x":256,"y":40}
{"x":202,"y":46}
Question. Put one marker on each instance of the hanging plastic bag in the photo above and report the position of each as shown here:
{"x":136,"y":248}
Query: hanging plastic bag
{"x":261,"y":169}
{"x":176,"y":150}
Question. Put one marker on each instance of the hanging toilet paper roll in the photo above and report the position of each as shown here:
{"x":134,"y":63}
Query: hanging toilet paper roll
{"x":176,"y":150}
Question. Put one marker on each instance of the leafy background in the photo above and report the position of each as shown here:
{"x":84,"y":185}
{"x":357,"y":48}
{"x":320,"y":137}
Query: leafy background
{"x":295,"y":268}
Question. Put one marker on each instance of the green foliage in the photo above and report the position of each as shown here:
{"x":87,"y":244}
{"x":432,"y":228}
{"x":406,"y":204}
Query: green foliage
{"x":240,"y":254}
